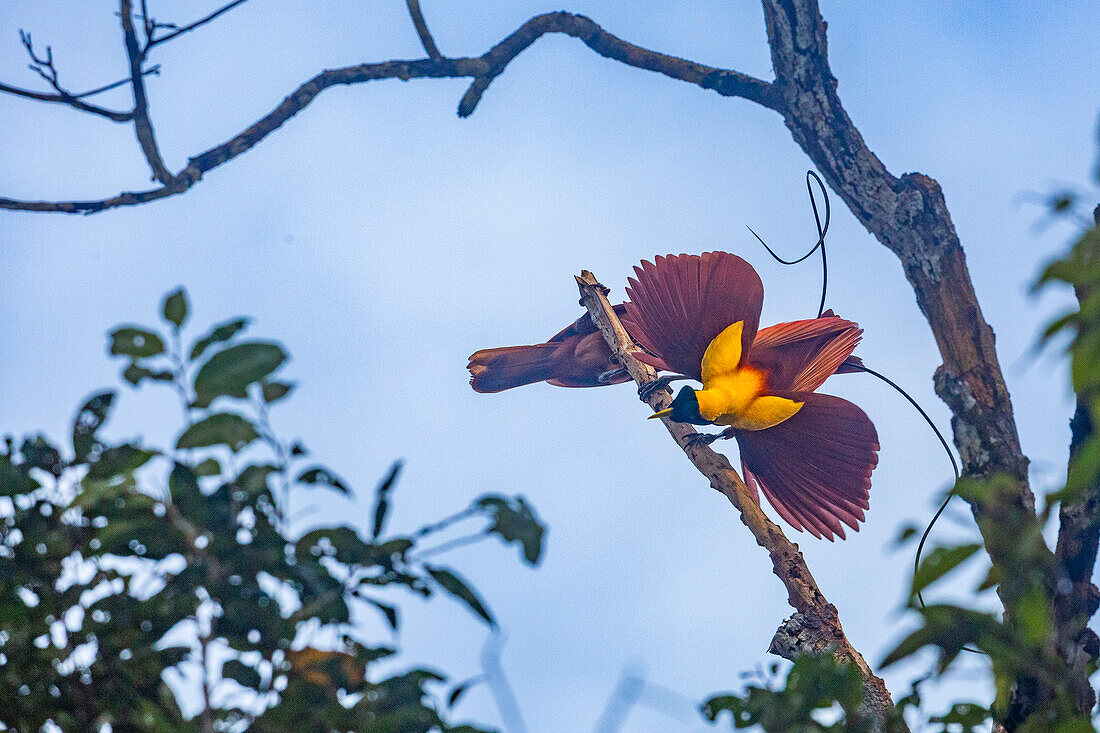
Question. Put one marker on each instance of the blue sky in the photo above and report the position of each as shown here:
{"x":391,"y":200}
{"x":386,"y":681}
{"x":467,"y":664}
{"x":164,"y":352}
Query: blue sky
{"x":383,"y":240}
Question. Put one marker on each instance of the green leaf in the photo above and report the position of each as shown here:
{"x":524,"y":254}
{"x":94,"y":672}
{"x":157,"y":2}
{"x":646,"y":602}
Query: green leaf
{"x":230,"y":371}
{"x":241,"y":673}
{"x":135,"y":374}
{"x":221,"y":428}
{"x":387,"y":610}
{"x":968,"y":715}
{"x":40,"y":453}
{"x":905,"y":534}
{"x":1084,"y":469}
{"x":222,"y":332}
{"x":514,"y":521}
{"x":209,"y":467}
{"x":183,"y":487}
{"x":321,"y":475}
{"x":135,"y":342}
{"x":951,"y":628}
{"x":1032,"y":616}
{"x":175,"y":307}
{"x":731,"y":704}
{"x":462,"y":687}
{"x":382,"y":498}
{"x":118,"y":461}
{"x":88,"y":421}
{"x":275,"y":391}
{"x":461,"y":590}
{"x":253,"y":481}
{"x":941,"y":561}
{"x":341,"y":543}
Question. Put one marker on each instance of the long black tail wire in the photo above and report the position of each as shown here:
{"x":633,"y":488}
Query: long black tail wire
{"x":822,"y":230}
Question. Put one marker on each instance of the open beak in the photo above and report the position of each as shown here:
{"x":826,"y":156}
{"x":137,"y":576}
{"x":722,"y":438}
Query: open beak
{"x":662,"y":413}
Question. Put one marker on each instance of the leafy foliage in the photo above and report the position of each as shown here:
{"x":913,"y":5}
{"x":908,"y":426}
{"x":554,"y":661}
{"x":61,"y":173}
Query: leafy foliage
{"x":818,"y":694}
{"x":122,"y":566}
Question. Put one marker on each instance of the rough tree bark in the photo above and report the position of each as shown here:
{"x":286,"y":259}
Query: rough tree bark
{"x":909,"y":216}
{"x":815,"y":627}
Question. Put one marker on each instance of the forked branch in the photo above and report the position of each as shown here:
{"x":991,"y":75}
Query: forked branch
{"x":815,"y":627}
{"x":481,"y":69}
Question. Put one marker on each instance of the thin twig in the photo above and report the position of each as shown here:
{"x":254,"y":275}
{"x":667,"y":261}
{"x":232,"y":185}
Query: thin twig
{"x":451,"y":544}
{"x":73,"y":100}
{"x":188,"y":28}
{"x":45,"y":68}
{"x":789,"y":566}
{"x":625,"y":695}
{"x":422,"y":31}
{"x":503,"y":694}
{"x":151,"y":71}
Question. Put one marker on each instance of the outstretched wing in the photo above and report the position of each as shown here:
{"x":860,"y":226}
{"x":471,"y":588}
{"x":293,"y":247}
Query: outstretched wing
{"x":815,"y":468}
{"x":678,"y":304}
{"x":800,"y":355}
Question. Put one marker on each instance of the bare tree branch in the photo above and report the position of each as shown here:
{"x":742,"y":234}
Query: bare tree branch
{"x":74,"y":101}
{"x":482,"y":69}
{"x":422,"y":31}
{"x":187,"y":28}
{"x":45,"y":68}
{"x":143,"y":126}
{"x":725,"y":82}
{"x":151,"y":71}
{"x":814,"y":612}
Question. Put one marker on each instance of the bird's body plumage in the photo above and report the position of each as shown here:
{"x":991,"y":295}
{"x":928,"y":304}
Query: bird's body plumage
{"x":698,"y":315}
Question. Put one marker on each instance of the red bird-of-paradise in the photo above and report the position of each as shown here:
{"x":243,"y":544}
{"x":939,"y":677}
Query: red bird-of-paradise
{"x":698,"y":315}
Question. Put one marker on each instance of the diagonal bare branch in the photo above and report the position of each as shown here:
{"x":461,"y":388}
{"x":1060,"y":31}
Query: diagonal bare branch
{"x":816,"y":625}
{"x":488,"y":66}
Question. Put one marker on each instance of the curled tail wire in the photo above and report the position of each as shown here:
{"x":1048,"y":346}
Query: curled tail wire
{"x":822,"y":230}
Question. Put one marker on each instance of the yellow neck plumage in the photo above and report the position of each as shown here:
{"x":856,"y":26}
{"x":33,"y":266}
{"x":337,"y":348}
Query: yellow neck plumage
{"x":734,"y":394}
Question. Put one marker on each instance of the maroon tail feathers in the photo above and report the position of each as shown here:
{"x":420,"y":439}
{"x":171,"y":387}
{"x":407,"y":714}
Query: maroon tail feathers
{"x":815,"y":468}
{"x":678,"y":304}
{"x":495,"y":370}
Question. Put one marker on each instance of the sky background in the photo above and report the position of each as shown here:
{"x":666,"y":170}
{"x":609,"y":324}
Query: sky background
{"x":383,"y":240}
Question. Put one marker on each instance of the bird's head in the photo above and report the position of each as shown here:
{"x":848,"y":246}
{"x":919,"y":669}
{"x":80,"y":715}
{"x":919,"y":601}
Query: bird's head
{"x":685,"y":408}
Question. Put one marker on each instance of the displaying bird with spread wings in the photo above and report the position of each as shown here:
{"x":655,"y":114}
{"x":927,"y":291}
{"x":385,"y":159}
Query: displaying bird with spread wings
{"x":698,"y":316}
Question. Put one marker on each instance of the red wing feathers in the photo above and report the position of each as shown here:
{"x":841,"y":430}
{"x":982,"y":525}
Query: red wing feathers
{"x":678,"y":304}
{"x":800,"y":355}
{"x":815,"y":468}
